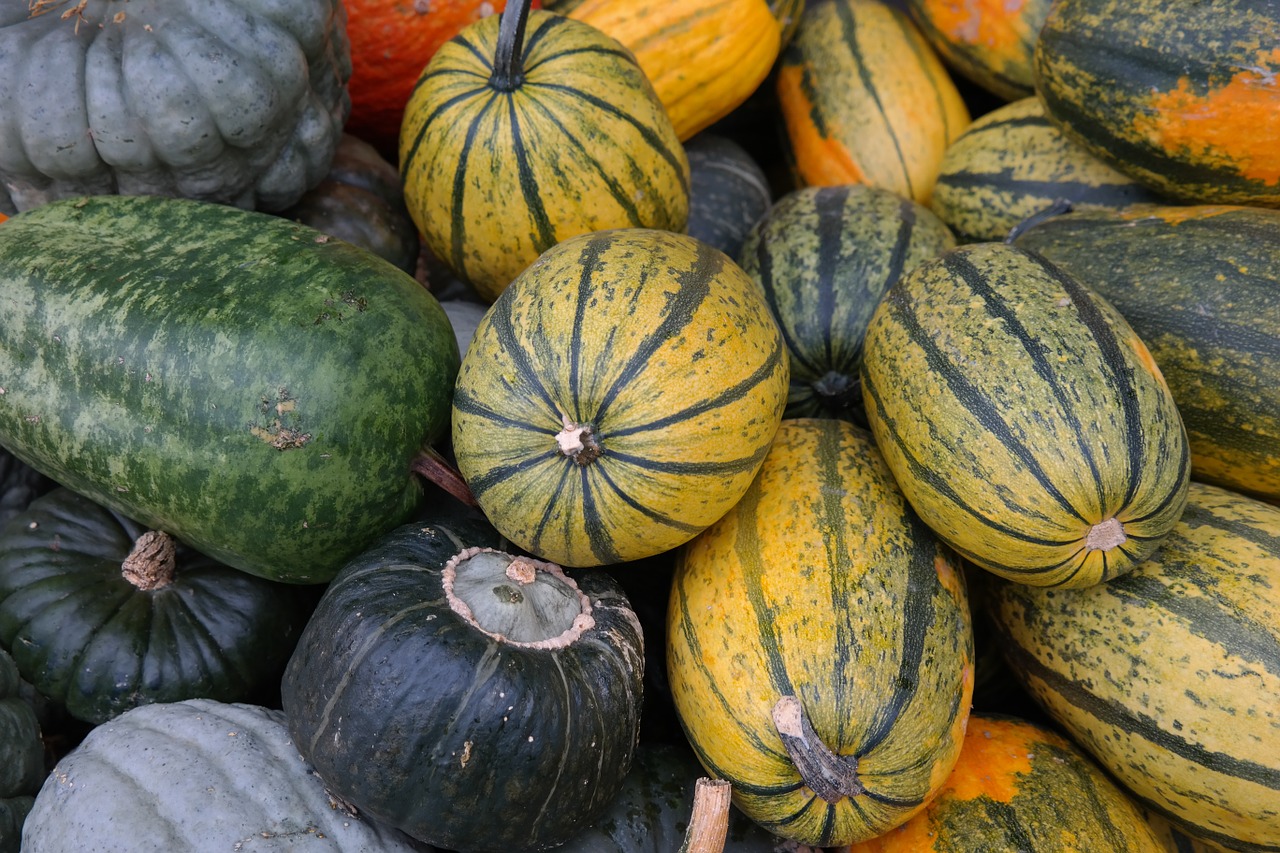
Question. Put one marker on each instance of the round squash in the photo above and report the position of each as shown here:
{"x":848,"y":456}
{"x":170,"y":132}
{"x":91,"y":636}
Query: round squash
{"x":239,"y":102}
{"x":728,"y":192}
{"x":511,"y":144}
{"x":20,"y":484}
{"x":990,"y":42}
{"x":22,"y":767}
{"x":819,"y":644}
{"x":475,"y":699}
{"x":1023,"y":417}
{"x":619,"y":397}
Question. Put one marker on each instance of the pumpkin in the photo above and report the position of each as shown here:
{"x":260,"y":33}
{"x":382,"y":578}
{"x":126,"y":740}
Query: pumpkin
{"x":476,"y":699}
{"x":866,"y":100}
{"x":195,"y":775}
{"x":619,"y":397}
{"x":728,"y":191}
{"x":1184,"y":97}
{"x":1170,"y":675}
{"x":1018,"y":786}
{"x":1023,"y":418}
{"x":22,"y":767}
{"x":819,"y":643}
{"x":240,"y":102}
{"x":824,"y":257}
{"x":511,"y":144}
{"x":20,"y":484}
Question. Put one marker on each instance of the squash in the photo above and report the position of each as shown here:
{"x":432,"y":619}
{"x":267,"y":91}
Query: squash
{"x":1184,"y":97}
{"x":824,"y":257}
{"x":1012,"y":163}
{"x":20,"y":484}
{"x":247,"y":384}
{"x":195,"y":775}
{"x":819,"y":644}
{"x":1174,"y":840}
{"x":102,"y":615}
{"x":1019,"y":786}
{"x":728,"y":191}
{"x":239,"y":101}
{"x":1170,"y":675}
{"x":442,"y":683}
{"x":1201,"y":285}
{"x":511,"y":144}
{"x":866,"y":100}
{"x":1023,"y":418}
{"x":619,"y":397}
{"x":22,"y":767}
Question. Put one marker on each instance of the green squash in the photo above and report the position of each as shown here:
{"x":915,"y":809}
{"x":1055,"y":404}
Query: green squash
{"x":728,"y":192}
{"x":22,"y":768}
{"x":20,"y":484}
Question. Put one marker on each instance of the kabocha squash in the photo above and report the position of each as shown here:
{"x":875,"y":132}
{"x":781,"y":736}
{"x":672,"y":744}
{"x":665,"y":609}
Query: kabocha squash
{"x":102,"y":615}
{"x":619,"y":397}
{"x":866,"y":100}
{"x":819,"y":644}
{"x":242,"y":382}
{"x":22,"y":767}
{"x":1185,"y":97}
{"x":1023,"y":418}
{"x":237,"y":101}
{"x":1170,"y":675}
{"x":514,"y":142}
{"x":824,"y":257}
{"x":991,"y":42}
{"x":1201,"y":285}
{"x":20,"y":484}
{"x":1021,"y":787}
{"x":728,"y":192}
{"x":195,"y":775}
{"x":1012,"y":163}
{"x":478,"y":700}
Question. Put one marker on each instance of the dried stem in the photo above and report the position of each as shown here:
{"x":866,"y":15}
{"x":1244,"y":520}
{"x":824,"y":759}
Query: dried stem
{"x":709,"y":823}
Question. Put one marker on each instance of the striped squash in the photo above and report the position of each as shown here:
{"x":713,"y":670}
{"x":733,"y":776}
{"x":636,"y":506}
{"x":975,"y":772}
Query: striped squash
{"x":1174,"y":840}
{"x":1201,"y":285}
{"x":1013,"y":162}
{"x":511,"y":143}
{"x":1170,"y":675}
{"x":619,"y":397}
{"x":819,"y":643}
{"x":824,"y":257}
{"x":991,"y":42}
{"x":866,"y":100}
{"x":1023,"y":418}
{"x":1019,"y":786}
{"x":1183,"y":96}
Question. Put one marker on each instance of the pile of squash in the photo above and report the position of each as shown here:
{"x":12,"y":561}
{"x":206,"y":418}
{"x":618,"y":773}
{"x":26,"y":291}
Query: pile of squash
{"x":442,"y":426}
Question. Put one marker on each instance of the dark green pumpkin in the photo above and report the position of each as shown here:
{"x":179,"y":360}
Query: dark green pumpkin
{"x":22,"y":767}
{"x":20,"y":484}
{"x":728,"y":191}
{"x":100,"y":633}
{"x":476,"y":701}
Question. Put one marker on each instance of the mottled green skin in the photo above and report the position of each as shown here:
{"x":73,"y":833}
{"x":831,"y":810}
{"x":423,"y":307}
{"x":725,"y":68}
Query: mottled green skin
{"x":245,"y":383}
{"x":21,"y":757}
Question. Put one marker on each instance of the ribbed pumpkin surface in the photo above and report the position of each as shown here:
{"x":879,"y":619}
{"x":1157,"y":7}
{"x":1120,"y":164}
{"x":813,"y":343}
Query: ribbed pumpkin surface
{"x":866,"y":100}
{"x":991,"y":42}
{"x":1170,"y":675}
{"x":1014,"y":162}
{"x":1023,"y":418}
{"x":1201,"y":285}
{"x":619,"y":396}
{"x":822,"y":584}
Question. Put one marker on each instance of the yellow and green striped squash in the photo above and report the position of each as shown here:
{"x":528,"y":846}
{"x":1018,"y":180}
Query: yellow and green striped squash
{"x":866,"y":100}
{"x":1023,"y":417}
{"x":819,"y":643}
{"x":618,"y":397}
{"x":501,"y":160}
{"x":1170,"y":675}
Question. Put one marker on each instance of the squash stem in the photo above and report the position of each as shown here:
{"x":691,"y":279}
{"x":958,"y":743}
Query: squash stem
{"x":152,"y":561}
{"x":831,"y":777}
{"x":709,"y":822}
{"x":436,"y":469}
{"x":508,"y":62}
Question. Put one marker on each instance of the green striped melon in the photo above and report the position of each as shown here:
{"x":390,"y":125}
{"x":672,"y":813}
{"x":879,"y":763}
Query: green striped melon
{"x":1170,"y":675}
{"x":1201,"y":285}
{"x":618,"y":397}
{"x":824,"y":257}
{"x":1013,"y":162}
{"x":819,"y":643}
{"x":1023,"y":418}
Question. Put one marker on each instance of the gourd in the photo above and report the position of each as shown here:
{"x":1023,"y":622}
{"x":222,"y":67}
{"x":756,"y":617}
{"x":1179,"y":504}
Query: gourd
{"x":476,"y":699}
{"x":237,"y":101}
{"x":728,"y":191}
{"x":195,"y":775}
{"x":1023,"y":417}
{"x":247,"y":384}
{"x":619,"y":397}
{"x":101,"y":614}
{"x":512,"y":143}
{"x":22,"y":767}
{"x":20,"y":484}
{"x":819,"y":643}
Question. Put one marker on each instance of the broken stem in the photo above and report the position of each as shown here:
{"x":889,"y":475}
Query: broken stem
{"x":434,"y":468}
{"x":709,"y":822}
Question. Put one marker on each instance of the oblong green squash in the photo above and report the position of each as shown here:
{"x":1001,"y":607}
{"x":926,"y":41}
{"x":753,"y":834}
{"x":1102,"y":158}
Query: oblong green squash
{"x":819,"y":643}
{"x":245,"y":383}
{"x":1170,"y":675}
{"x":1200,"y":284}
{"x":991,"y":42}
{"x":1023,"y":418}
